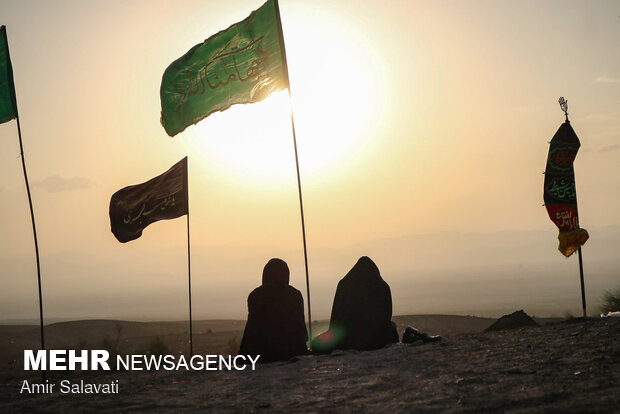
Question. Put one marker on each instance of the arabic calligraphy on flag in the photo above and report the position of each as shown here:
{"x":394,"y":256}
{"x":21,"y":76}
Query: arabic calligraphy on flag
{"x":559,"y":189}
{"x":242,"y":64}
{"x":161,"y":198}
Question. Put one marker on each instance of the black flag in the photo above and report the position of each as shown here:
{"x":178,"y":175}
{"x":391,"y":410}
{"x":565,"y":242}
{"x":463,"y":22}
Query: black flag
{"x":559,"y":189}
{"x":161,"y":198}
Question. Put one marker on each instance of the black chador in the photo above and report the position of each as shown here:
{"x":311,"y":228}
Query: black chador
{"x":362,"y":312}
{"x":275,"y":329}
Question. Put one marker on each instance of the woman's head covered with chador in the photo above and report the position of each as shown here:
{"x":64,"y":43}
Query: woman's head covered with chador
{"x":365,"y":270}
{"x":276,"y":272}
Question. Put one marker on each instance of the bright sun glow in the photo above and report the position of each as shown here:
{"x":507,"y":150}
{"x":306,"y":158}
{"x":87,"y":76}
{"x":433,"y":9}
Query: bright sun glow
{"x":334,"y":97}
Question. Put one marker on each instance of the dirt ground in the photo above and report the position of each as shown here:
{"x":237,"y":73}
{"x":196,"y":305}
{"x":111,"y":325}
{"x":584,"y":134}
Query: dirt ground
{"x":568,"y":367}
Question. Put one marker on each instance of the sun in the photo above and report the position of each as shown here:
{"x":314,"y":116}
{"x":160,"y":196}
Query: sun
{"x":335,"y":96}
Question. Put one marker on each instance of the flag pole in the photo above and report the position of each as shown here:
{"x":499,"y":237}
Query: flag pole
{"x":189,"y":277}
{"x":34,"y":227}
{"x":583,"y":290}
{"x":564,"y":106}
{"x":34,"y":231}
{"x":301,"y":204}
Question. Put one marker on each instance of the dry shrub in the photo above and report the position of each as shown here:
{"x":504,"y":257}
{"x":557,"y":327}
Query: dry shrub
{"x":611,"y":300}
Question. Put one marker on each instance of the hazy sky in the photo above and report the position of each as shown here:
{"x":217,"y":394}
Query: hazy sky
{"x":412,"y":117}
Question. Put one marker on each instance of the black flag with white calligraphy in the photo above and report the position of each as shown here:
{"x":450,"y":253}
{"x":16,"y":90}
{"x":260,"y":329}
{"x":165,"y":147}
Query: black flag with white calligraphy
{"x":161,"y":198}
{"x":559,"y":189}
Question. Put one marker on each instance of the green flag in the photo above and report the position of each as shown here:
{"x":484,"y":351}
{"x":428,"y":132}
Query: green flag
{"x":242,"y":64}
{"x":8,"y":107}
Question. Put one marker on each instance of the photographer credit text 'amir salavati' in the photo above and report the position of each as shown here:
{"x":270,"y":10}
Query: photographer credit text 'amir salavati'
{"x":99,"y":360}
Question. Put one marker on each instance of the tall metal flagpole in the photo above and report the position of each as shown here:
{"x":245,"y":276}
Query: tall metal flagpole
{"x":583,"y":289}
{"x":34,"y":228}
{"x":301,"y":204}
{"x":564,"y":106}
{"x":189,"y":275}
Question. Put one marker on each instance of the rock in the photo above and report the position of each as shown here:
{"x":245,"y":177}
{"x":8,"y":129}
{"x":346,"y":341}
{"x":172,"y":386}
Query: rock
{"x":516,"y":319}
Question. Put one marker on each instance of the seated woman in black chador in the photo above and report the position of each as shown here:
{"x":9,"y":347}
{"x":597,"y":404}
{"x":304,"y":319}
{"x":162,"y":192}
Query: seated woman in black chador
{"x":361,"y":314}
{"x":275,"y":329}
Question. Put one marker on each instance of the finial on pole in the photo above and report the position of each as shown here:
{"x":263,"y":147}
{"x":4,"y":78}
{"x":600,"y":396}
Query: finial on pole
{"x":564,"y":106}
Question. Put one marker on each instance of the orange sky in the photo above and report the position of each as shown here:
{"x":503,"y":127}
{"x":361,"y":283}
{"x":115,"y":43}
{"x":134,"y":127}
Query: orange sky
{"x":412,"y":118}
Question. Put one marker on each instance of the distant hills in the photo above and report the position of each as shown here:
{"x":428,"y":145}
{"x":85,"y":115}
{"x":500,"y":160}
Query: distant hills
{"x":484,"y":274}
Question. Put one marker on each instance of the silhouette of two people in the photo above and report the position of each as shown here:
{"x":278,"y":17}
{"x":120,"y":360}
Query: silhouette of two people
{"x":360,"y":319}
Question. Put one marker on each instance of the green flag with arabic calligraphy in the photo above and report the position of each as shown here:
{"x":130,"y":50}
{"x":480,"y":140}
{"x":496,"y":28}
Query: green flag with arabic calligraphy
{"x":242,"y":64}
{"x":8,"y":107}
{"x":161,"y":198}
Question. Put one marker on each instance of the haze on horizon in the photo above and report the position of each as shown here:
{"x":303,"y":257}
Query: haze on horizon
{"x":422,"y":130}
